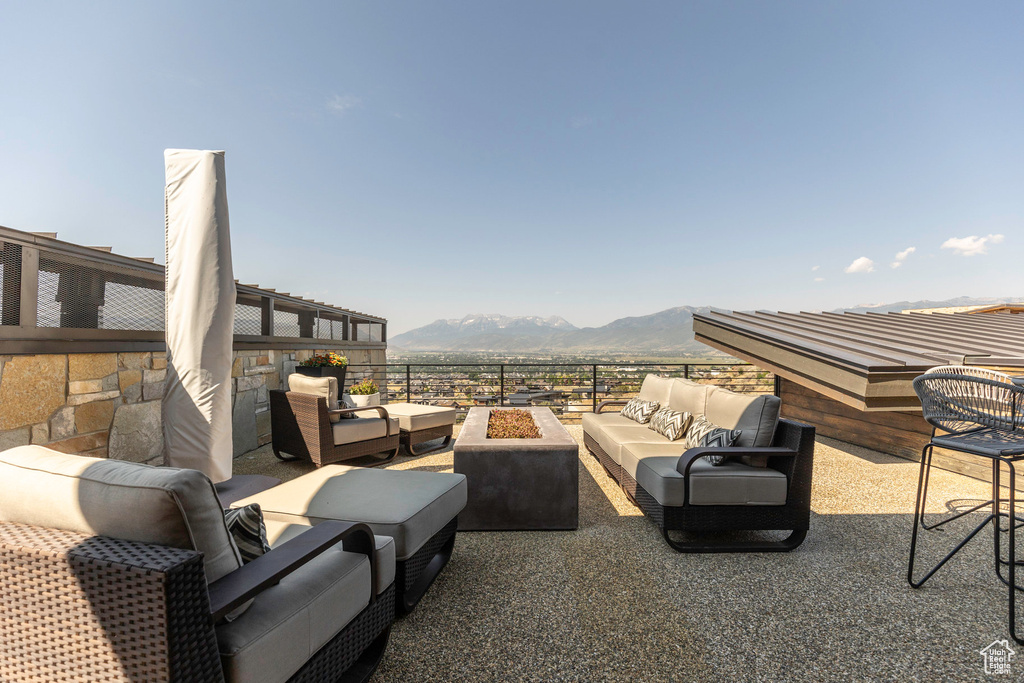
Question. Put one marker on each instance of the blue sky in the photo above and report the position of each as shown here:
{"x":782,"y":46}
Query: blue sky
{"x":584,"y":159}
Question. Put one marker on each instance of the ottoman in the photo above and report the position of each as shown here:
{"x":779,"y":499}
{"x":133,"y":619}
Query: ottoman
{"x":418,"y":510}
{"x":421,"y":423}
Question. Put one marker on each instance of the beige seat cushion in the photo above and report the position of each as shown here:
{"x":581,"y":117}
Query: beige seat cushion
{"x":653,"y":466}
{"x":167,"y":506}
{"x":687,"y":396}
{"x":413,"y":417}
{"x":290,"y":621}
{"x":594,"y":424}
{"x":279,"y":533}
{"x":327,"y":387}
{"x":362,"y":428}
{"x":656,"y":388}
{"x":407,"y":505}
{"x":611,"y":438}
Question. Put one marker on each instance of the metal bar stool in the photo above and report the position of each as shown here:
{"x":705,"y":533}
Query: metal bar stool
{"x":977,"y":412}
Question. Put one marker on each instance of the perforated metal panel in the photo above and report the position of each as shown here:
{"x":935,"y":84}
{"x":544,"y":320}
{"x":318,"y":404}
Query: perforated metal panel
{"x":248,"y":319}
{"x":81,"y":294}
{"x":286,"y":324}
{"x":10,"y":275}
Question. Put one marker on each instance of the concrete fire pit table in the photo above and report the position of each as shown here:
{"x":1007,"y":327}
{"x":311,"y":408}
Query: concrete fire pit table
{"x":518,"y":484}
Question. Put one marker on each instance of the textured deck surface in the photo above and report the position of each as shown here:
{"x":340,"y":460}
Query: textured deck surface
{"x":611,"y":601}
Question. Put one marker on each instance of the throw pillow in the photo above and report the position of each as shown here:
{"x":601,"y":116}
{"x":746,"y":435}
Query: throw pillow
{"x":672,"y":424}
{"x":706,"y":434}
{"x":639,"y":410}
{"x":246,"y":526}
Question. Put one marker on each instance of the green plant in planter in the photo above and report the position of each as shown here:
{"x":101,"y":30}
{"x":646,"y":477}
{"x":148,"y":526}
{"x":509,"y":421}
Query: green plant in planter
{"x":364,"y":388}
{"x":327,"y":360}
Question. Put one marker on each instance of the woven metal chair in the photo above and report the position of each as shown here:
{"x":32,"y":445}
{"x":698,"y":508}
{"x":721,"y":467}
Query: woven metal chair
{"x":975,"y":412}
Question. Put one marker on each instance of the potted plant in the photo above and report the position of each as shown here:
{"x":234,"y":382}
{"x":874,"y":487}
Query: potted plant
{"x":330,"y":364}
{"x":365,"y":393}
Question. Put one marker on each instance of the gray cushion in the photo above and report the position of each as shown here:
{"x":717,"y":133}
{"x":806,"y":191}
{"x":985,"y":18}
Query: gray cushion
{"x":290,"y":621}
{"x":363,"y":429}
{"x":407,"y":505}
{"x":671,"y":424}
{"x":656,"y":388}
{"x":326,"y":387}
{"x":756,"y":416}
{"x":653,"y":466}
{"x":688,"y":396}
{"x":160,"y":505}
{"x":279,"y":533}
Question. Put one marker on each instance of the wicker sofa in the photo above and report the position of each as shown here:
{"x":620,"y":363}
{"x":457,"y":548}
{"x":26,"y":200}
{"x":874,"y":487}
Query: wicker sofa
{"x":117,"y":571}
{"x":764,"y":486}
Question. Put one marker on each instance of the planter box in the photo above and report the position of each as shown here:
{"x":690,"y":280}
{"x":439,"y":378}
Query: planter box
{"x":518,"y":484}
{"x":363,"y":400}
{"x":328,"y":371}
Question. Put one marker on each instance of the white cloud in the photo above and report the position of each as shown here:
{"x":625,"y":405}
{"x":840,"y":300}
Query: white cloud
{"x":861,"y":265}
{"x":339,"y":104}
{"x":814,"y":268}
{"x":819,"y":279}
{"x":902,"y":256}
{"x":970,"y":246}
{"x":580,"y":121}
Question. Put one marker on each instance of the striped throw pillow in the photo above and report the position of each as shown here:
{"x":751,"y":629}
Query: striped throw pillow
{"x":245,"y":524}
{"x":639,"y":410}
{"x":672,"y":424}
{"x":705,"y":434}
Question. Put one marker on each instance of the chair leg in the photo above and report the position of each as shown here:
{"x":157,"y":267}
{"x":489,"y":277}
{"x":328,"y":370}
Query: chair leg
{"x":411,"y":597}
{"x":782,"y":546}
{"x":444,"y":444}
{"x":285,"y":457}
{"x":368,"y":661}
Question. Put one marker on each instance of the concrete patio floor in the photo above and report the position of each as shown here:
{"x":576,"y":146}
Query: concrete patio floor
{"x":612,"y":602}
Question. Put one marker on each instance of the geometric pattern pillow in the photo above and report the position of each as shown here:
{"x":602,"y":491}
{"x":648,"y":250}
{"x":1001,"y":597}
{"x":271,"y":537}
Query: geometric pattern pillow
{"x":705,"y":434}
{"x":246,"y":526}
{"x":639,"y":411}
{"x":672,"y":424}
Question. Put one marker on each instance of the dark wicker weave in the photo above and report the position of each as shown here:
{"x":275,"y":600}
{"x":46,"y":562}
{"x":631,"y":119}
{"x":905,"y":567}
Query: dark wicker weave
{"x":796,"y":461}
{"x":411,"y":439}
{"x":79,"y":607}
{"x":91,"y":608}
{"x":301,"y":429}
{"x":416,"y":574}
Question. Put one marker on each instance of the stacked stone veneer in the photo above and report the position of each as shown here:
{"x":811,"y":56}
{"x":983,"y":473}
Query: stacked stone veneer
{"x":108,"y":404}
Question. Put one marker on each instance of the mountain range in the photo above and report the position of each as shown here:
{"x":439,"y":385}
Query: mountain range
{"x":666,"y":333}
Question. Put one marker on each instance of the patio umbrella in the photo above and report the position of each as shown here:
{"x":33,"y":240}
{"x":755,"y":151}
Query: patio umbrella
{"x":200,"y":314}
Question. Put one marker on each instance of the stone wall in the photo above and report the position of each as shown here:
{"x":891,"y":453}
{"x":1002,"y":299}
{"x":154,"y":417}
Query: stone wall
{"x":108,"y":404}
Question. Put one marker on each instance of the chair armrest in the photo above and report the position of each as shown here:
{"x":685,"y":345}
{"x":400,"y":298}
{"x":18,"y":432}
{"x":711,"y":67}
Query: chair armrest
{"x":692,"y":455}
{"x":611,"y":402}
{"x":248,"y":581}
{"x":380,"y":409}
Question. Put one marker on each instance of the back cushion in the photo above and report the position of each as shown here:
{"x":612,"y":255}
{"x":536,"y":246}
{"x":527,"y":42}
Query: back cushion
{"x":160,"y":505}
{"x":326,"y":387}
{"x":656,"y":389}
{"x":688,"y":397}
{"x":757,"y":416}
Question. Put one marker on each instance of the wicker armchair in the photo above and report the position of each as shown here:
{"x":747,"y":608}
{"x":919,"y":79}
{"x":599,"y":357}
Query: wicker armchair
{"x":303,"y":430}
{"x":94,"y":606}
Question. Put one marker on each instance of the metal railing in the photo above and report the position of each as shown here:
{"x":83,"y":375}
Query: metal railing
{"x":569,"y":389}
{"x":58,"y":291}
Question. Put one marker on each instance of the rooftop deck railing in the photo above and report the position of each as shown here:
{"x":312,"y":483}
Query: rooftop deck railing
{"x":569,"y":389}
{"x":54,"y":292}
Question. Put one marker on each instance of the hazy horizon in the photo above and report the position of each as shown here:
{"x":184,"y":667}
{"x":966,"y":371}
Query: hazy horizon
{"x":588,"y":160}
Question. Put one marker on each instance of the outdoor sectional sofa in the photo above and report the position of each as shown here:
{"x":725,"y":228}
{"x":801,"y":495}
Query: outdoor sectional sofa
{"x":764,"y":485}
